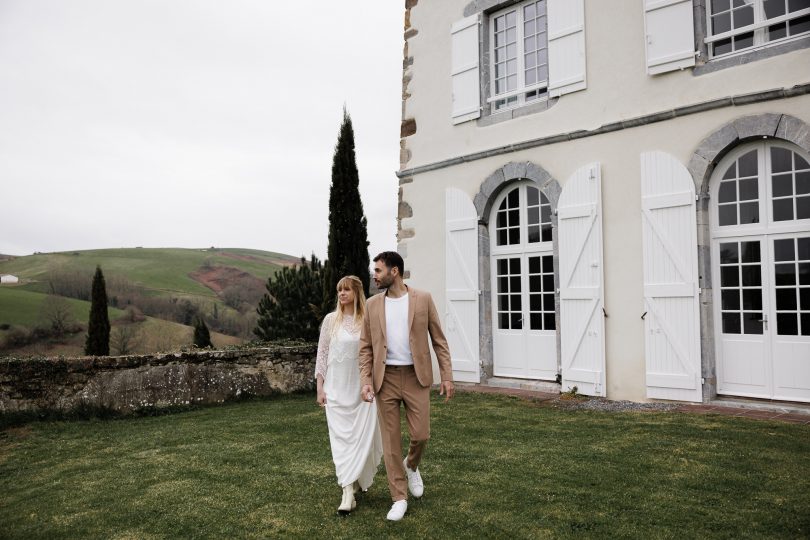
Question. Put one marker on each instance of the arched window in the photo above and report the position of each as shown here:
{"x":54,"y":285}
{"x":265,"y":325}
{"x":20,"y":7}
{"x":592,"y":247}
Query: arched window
{"x":761,"y":247}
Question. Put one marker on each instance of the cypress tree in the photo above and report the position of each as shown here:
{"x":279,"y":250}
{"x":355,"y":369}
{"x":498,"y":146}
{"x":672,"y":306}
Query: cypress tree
{"x":202,"y":337}
{"x":98,"y":328}
{"x":291,"y":308}
{"x":348,"y":234}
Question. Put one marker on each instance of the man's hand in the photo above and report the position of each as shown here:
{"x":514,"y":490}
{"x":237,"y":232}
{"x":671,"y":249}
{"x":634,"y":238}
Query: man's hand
{"x":367,"y":393}
{"x":447,"y":386}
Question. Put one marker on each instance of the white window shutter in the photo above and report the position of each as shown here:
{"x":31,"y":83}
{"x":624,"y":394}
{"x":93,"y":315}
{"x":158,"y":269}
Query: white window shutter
{"x":672,"y":320}
{"x":670,"y":34}
{"x":582,"y":324}
{"x":566,"y":46}
{"x":465,"y":70}
{"x":461,"y":285}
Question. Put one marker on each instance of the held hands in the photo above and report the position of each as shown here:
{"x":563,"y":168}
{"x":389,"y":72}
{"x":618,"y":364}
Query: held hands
{"x":449,"y":388}
{"x":366,"y":393}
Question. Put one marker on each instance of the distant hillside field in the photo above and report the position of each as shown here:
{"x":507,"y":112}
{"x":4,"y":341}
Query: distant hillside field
{"x":170,"y":286}
{"x":157,"y":269}
{"x":21,"y":307}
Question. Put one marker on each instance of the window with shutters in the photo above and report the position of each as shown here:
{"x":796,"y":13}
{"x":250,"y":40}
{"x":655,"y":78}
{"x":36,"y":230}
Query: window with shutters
{"x":516,"y":58}
{"x":740,"y":25}
{"x":519,"y":55}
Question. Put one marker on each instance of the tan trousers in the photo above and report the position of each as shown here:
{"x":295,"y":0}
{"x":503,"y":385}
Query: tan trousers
{"x":400,"y":385}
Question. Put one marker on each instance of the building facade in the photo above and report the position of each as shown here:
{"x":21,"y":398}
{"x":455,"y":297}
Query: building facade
{"x":613,"y":196}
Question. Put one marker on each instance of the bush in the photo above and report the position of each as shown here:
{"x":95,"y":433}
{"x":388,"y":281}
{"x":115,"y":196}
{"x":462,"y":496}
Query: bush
{"x":18,"y":336}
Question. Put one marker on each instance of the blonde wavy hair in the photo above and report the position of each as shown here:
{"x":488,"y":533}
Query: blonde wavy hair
{"x":356,"y":286}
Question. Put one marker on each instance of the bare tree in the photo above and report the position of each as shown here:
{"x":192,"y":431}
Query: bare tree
{"x":58,"y":315}
{"x":125,"y":339}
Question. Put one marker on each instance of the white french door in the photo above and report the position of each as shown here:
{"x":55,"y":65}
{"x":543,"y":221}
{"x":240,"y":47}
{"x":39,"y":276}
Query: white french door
{"x":522,"y":270}
{"x":761,"y":272}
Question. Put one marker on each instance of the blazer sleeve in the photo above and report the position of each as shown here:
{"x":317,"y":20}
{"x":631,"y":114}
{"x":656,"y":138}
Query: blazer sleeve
{"x":439,"y":342}
{"x":366,"y":358}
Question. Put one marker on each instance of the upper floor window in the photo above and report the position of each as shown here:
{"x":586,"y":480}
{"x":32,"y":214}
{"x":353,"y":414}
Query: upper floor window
{"x":737,"y":25}
{"x":519,"y":53}
{"x":530,"y":51}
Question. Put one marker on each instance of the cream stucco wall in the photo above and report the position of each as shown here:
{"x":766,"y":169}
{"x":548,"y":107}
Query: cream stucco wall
{"x":618,"y":153}
{"x":618,"y":88}
{"x":618,"y":85}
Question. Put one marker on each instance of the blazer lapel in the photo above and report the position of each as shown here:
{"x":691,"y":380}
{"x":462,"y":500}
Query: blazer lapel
{"x":411,"y":307}
{"x":381,"y":316}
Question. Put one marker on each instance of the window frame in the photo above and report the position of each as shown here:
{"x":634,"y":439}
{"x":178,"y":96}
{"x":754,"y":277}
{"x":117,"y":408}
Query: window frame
{"x":522,"y":89}
{"x":759,"y":28}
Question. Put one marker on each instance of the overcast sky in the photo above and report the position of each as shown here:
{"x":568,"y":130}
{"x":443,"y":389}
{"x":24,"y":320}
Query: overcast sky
{"x":194,"y":123}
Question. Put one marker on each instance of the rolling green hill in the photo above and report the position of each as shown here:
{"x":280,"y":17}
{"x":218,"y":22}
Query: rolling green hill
{"x":156,"y":269}
{"x":22,"y":308}
{"x":224,"y":285}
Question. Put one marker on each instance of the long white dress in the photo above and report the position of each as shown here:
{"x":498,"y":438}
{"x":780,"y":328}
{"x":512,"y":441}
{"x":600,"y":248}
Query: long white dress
{"x":354,"y":432}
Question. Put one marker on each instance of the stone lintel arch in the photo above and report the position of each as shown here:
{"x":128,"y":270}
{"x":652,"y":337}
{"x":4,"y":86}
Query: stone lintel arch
{"x":489,"y":190}
{"x":701,"y":166}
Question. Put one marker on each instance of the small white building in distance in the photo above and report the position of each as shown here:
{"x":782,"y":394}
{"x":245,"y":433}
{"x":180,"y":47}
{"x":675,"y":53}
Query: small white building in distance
{"x":8,"y":278}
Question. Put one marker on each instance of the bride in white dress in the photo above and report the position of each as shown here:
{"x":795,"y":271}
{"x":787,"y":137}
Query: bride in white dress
{"x":354,"y":433}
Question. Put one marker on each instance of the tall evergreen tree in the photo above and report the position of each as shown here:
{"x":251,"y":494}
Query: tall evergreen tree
{"x":348,"y":234}
{"x":98,"y":328}
{"x":291,"y":308}
{"x":202,"y":337}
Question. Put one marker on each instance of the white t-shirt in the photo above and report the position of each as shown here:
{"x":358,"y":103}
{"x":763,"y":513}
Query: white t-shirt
{"x":397,"y":332}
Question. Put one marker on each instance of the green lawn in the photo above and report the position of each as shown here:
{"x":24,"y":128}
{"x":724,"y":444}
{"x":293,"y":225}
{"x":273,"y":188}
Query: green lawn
{"x":495,"y":467}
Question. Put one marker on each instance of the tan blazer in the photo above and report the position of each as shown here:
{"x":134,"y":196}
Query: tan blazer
{"x":423,"y":320}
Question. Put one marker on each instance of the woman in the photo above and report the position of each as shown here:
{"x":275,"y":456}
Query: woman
{"x":354,"y":433}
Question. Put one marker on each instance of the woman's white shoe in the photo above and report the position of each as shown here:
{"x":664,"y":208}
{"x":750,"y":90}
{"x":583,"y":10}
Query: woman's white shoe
{"x":347,"y":504}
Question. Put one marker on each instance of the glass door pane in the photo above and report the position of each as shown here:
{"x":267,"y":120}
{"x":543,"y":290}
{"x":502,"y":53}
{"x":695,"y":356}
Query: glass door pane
{"x":741,"y":287}
{"x":791,"y":264}
{"x":509,"y":302}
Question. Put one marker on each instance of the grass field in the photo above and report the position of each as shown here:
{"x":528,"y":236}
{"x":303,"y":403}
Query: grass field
{"x":157,"y":269}
{"x":20,"y":307}
{"x":496,"y":467}
{"x":23,"y":307}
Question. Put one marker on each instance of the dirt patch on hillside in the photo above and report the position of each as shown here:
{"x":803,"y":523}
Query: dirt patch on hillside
{"x":217,"y":278}
{"x":268,"y":260}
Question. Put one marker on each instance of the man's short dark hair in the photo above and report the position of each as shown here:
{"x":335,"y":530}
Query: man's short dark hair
{"x":392,"y":259}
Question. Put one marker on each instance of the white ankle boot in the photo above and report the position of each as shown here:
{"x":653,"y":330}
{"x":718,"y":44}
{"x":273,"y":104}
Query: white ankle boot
{"x":347,"y":504}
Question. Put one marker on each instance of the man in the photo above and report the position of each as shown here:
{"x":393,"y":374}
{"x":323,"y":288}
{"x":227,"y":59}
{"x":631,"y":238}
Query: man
{"x":395,"y":365}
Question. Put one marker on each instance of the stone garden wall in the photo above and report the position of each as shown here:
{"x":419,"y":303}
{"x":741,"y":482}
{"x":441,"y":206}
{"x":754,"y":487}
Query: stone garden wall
{"x":125,"y":384}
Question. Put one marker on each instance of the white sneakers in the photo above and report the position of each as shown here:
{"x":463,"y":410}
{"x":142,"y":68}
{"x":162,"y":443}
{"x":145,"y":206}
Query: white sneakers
{"x":397,"y":511}
{"x":415,"y":485}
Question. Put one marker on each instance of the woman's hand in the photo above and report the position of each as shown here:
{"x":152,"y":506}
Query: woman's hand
{"x":321,"y":399}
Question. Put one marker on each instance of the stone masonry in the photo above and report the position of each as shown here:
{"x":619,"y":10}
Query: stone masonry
{"x":125,"y":384}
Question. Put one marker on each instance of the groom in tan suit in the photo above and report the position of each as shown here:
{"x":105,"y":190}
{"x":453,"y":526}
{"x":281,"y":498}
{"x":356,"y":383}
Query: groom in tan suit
{"x":395,"y":365}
